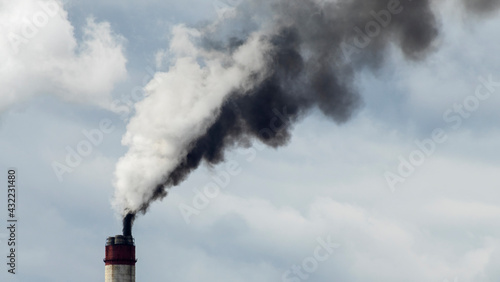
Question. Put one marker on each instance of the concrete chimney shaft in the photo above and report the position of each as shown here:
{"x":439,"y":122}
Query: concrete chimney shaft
{"x":120,"y":259}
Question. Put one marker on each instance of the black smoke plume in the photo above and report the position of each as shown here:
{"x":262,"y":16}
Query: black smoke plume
{"x":317,"y":47}
{"x":128,"y":221}
{"x":310,"y":68}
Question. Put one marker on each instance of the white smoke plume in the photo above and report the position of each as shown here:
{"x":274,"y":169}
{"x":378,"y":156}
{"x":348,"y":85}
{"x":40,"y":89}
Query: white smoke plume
{"x":178,"y":109}
{"x":228,"y":80}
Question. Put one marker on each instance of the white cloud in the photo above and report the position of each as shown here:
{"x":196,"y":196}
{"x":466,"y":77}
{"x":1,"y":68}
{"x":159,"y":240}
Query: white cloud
{"x":463,"y":211}
{"x":39,"y":54}
{"x":372,"y":244}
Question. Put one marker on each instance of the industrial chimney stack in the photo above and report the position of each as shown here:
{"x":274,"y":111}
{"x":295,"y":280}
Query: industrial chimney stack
{"x":120,"y":259}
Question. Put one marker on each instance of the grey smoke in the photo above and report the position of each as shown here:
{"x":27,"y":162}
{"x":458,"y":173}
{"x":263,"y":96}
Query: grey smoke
{"x":283,"y":59}
{"x":482,"y":6}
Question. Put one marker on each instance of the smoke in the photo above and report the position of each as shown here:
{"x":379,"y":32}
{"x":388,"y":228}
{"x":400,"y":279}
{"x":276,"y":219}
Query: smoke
{"x":128,"y":221}
{"x":227,"y":87}
{"x":482,"y":6}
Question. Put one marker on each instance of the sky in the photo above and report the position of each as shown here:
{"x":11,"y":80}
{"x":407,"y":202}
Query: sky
{"x":405,"y":190}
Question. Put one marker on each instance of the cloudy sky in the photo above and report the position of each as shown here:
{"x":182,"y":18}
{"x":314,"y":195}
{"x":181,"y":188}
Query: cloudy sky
{"x":405,"y":190}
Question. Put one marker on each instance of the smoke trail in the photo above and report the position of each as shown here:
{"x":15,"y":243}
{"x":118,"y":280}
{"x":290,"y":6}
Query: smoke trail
{"x":128,"y":221}
{"x":220,"y":94}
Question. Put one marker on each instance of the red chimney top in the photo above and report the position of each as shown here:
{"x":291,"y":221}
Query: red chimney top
{"x":120,"y":259}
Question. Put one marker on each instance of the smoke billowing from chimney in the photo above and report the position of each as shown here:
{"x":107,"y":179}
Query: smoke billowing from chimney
{"x":286,"y":58}
{"x":128,"y":221}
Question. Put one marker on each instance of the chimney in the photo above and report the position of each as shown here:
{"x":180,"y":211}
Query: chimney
{"x":120,"y":259}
